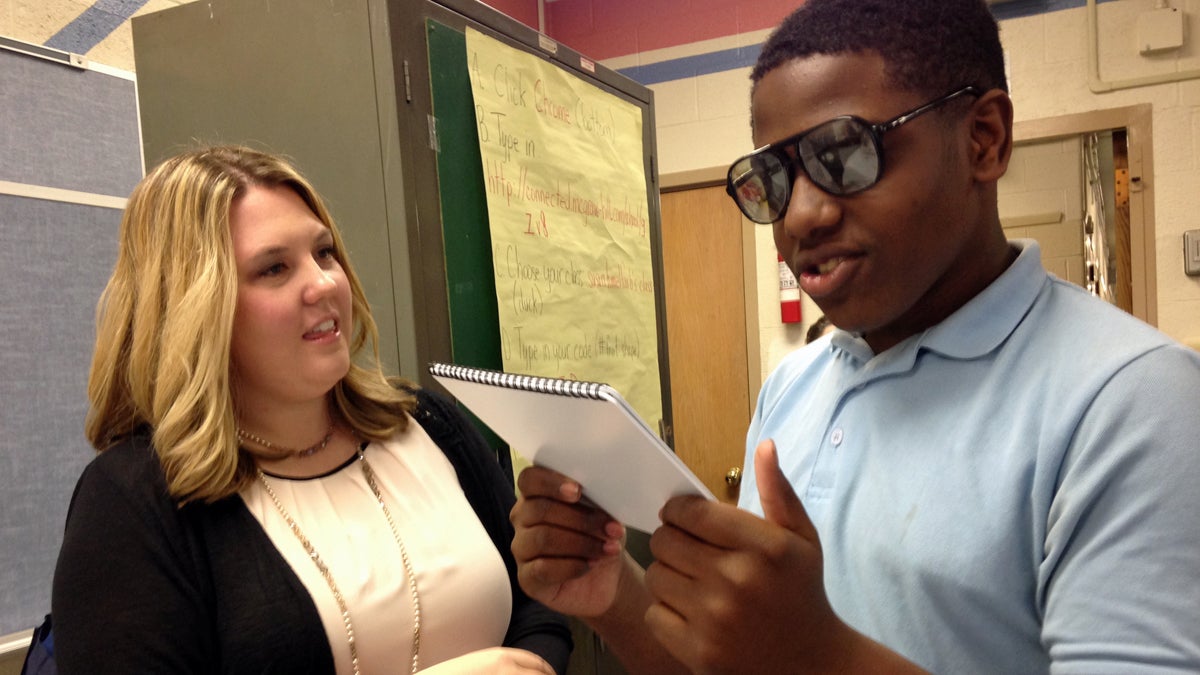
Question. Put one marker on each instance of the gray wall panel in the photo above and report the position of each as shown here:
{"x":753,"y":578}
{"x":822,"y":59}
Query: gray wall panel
{"x":299,"y":82}
{"x":67,"y":128}
{"x":57,"y":258}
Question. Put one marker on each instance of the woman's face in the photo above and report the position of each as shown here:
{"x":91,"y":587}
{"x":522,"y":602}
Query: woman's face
{"x":291,"y":330}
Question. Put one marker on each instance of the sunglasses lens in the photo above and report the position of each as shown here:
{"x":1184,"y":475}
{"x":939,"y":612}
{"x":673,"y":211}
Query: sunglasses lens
{"x":841,"y":156}
{"x":760,"y":185}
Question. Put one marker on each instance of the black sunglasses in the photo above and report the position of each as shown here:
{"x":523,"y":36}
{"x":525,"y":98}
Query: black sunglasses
{"x":841,"y":156}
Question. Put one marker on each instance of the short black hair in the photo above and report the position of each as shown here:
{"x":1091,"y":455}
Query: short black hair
{"x":929,"y":46}
{"x":817,"y":329}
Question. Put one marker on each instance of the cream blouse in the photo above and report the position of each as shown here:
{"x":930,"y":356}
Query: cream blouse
{"x":461,"y":580}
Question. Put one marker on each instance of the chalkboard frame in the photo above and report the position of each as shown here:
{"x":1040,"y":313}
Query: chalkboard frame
{"x":444,"y":336}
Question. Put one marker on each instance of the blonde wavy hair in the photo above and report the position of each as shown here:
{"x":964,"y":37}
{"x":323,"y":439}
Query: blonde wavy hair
{"x":165,"y":320}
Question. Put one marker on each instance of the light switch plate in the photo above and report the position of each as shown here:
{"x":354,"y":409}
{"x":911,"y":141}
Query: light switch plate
{"x":1191,"y":253}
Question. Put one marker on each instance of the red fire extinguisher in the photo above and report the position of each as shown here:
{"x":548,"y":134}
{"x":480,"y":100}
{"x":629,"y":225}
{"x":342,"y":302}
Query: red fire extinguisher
{"x":789,"y":294}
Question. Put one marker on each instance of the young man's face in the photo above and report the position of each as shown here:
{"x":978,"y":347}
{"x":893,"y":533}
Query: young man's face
{"x":901,"y":255}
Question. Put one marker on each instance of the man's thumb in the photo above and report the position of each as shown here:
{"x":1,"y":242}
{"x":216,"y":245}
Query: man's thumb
{"x":779,"y":501}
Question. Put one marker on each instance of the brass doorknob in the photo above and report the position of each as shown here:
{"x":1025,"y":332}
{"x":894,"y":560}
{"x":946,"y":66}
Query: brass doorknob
{"x":733,"y":477}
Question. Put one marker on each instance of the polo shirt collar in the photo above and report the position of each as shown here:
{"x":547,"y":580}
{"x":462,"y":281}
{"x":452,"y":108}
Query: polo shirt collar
{"x":987,"y":320}
{"x":977,"y":327}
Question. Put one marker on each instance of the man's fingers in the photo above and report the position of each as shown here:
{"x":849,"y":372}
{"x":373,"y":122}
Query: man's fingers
{"x":538,"y":481}
{"x":547,"y":540}
{"x":542,"y":572}
{"x":779,"y":501}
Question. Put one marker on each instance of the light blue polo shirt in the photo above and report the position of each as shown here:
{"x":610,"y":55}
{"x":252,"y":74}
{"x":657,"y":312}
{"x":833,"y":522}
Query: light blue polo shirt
{"x":1015,"y":490}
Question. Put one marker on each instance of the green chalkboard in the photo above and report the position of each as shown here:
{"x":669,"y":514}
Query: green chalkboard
{"x":466,"y":239}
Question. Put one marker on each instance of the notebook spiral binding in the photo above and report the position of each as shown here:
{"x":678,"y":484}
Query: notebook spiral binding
{"x":541,"y":385}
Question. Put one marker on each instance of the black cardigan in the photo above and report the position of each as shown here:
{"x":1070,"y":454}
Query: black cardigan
{"x":144,"y":586}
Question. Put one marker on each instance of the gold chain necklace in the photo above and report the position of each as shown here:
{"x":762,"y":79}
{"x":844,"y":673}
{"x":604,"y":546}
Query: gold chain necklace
{"x":369,"y":474}
{"x":287,"y":452}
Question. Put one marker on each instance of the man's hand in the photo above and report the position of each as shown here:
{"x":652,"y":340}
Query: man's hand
{"x":568,"y":552}
{"x":570,"y":557}
{"x":738,"y":593}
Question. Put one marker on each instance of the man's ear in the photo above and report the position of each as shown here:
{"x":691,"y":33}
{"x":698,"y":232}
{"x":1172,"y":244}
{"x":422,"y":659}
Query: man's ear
{"x":991,"y":135}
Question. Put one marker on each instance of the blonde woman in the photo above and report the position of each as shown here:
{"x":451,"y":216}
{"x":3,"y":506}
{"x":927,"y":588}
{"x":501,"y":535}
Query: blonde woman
{"x":264,"y":498}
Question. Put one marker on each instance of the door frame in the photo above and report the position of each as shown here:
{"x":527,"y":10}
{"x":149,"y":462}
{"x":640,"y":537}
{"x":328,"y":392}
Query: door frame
{"x":715,"y":176}
{"x":1136,"y":120}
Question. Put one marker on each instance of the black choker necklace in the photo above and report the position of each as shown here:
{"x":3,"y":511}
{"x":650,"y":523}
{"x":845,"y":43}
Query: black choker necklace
{"x":287,"y":452}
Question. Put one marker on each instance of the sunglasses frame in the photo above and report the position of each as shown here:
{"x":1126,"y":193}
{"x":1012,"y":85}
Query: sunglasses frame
{"x":780,"y":150}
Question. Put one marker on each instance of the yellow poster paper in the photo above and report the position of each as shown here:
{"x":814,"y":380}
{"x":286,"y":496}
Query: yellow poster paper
{"x":566,"y":194}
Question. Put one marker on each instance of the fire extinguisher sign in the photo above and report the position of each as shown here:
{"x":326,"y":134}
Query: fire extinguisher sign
{"x":789,"y":294}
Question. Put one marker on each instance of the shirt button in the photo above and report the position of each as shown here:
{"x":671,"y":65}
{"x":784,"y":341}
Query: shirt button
{"x":836,"y":436}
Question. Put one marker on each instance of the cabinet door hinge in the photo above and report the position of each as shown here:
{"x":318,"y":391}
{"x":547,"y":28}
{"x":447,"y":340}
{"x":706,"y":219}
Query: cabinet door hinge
{"x":407,"y":84}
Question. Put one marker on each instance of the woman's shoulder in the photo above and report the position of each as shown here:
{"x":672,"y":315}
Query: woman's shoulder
{"x":129,"y":471}
{"x":122,"y":496}
{"x":132,"y":459}
{"x":435,"y":412}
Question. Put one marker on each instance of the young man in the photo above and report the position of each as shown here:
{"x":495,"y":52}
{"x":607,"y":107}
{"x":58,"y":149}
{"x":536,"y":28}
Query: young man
{"x":985,"y":469}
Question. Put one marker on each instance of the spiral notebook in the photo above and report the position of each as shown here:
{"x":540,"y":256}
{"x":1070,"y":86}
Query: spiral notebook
{"x":584,"y":430}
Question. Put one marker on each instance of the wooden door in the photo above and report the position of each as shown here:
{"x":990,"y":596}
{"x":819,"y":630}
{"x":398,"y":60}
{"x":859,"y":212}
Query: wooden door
{"x":704,"y":274}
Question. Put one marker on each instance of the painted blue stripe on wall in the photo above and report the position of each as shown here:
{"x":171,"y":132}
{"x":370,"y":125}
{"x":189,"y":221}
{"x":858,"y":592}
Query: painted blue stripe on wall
{"x":93,"y":25}
{"x":743,"y":57}
{"x":692,"y":66}
{"x":1019,"y":8}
